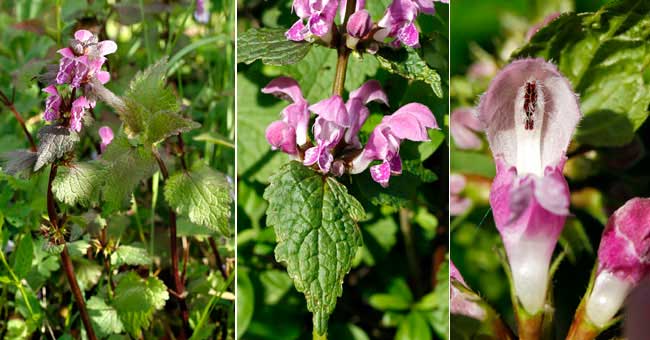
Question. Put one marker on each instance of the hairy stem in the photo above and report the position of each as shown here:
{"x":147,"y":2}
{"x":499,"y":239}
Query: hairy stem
{"x":179,"y":287}
{"x":343,"y":54}
{"x":317,"y":336}
{"x":215,"y":250}
{"x":530,"y":327}
{"x":65,"y":258}
{"x":10,"y":105}
{"x":581,"y":328}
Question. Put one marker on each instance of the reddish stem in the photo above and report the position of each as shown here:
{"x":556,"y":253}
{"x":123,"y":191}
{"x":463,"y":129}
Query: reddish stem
{"x":65,"y":258}
{"x":215,"y":250}
{"x":10,"y":105}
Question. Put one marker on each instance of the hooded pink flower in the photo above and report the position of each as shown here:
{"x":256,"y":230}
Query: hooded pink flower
{"x":84,"y":59}
{"x":399,"y":21}
{"x":460,"y":303}
{"x":341,"y":121}
{"x":106,"y":136}
{"x":463,"y":127}
{"x":77,"y":112}
{"x":411,"y":122}
{"x":201,"y":13}
{"x":458,"y":205}
{"x":529,"y":113}
{"x":623,"y":260}
{"x":291,"y":131}
{"x":316,"y":18}
{"x":52,"y":104}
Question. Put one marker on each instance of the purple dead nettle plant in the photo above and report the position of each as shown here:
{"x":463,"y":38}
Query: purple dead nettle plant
{"x":79,"y":67}
{"x":458,"y":204}
{"x":461,"y":303}
{"x":463,"y":128}
{"x":623,"y":261}
{"x":336,"y":148}
{"x":529,"y":113}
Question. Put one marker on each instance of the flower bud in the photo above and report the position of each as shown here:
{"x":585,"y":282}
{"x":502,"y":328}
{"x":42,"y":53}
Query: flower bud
{"x":623,"y":260}
{"x":359,"y":26}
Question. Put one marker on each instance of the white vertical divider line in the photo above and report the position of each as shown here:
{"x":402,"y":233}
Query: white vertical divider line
{"x":235,"y":181}
{"x":449,"y":61}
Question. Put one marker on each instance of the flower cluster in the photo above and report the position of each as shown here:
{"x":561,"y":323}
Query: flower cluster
{"x":79,"y":67}
{"x":316,"y":20}
{"x":529,"y":113}
{"x":336,"y":147}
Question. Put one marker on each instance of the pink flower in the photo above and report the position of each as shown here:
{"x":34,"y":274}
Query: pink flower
{"x":84,"y":59}
{"x":463,"y":126}
{"x":410,"y":122}
{"x":292,"y":129}
{"x":458,"y":205}
{"x":623,"y":260}
{"x":529,"y":113}
{"x":52,"y":104}
{"x":359,"y":24}
{"x":399,"y":21}
{"x":106,"y":135}
{"x":79,"y":107}
{"x":461,"y":303}
{"x":341,"y":121}
{"x":317,"y":14}
{"x":201,"y":13}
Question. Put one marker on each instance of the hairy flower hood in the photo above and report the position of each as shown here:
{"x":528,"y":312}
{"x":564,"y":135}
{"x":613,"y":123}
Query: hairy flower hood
{"x":529,"y":114}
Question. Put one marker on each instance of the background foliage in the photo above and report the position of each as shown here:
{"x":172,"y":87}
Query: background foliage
{"x":383,"y":298}
{"x":200,"y":70}
{"x":607,"y":162}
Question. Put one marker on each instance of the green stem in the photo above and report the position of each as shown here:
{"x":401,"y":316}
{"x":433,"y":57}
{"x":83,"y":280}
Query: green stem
{"x":317,"y":336}
{"x":17,"y":282}
{"x":343,"y":54}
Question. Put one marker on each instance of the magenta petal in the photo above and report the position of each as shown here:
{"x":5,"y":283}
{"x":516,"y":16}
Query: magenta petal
{"x":282,"y":136}
{"x":462,"y":128}
{"x":302,"y":8}
{"x":381,"y":173}
{"x":370,"y":91}
{"x":459,"y":302}
{"x":625,"y":245}
{"x":106,"y":47}
{"x":66,"y":52}
{"x":106,"y":135}
{"x":411,"y":122}
{"x":359,"y":24}
{"x":529,"y":231}
{"x":83,"y":35}
{"x":426,"y":6}
{"x":285,"y":88}
{"x":325,"y":160}
{"x":409,"y":35}
{"x":332,"y":109}
{"x":395,"y":163}
{"x":103,"y":77}
{"x":52,"y":104}
{"x":311,"y":156}
{"x":296,"y":32}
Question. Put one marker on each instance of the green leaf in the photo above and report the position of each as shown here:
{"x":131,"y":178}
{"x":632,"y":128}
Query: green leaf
{"x":136,"y":300}
{"x":215,"y":138}
{"x":604,"y":55}
{"x":125,"y":166}
{"x":87,"y":273}
{"x":24,"y":255}
{"x":385,"y":302}
{"x":276,"y":284}
{"x":78,"y":183}
{"x":440,"y":297}
{"x":271,"y":46}
{"x":204,"y":195}
{"x":150,"y":108}
{"x":414,"y":326}
{"x":133,"y":255}
{"x":407,"y":63}
{"x":104,"y":317}
{"x":78,"y":248}
{"x":17,"y":329}
{"x":315,"y":222}
{"x":55,"y":142}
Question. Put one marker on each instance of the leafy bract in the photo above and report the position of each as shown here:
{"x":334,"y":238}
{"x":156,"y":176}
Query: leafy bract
{"x":125,"y":165}
{"x":204,"y":195}
{"x":315,"y":222}
{"x":136,"y":300}
{"x":271,"y":46}
{"x":409,"y":64}
{"x":55,"y":142}
{"x":604,"y":55}
{"x":150,"y":108}
{"x":78,"y":183}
